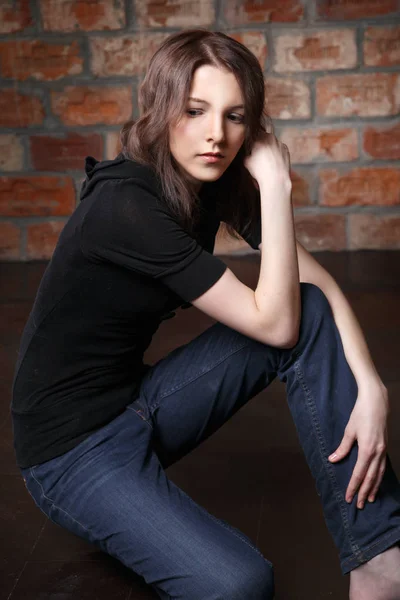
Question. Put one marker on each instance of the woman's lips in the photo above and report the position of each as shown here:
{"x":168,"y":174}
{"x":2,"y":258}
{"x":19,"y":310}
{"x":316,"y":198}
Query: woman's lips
{"x":210,"y":159}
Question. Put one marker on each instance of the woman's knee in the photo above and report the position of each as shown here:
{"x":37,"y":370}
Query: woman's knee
{"x":315,"y":311}
{"x":255,"y":582}
{"x":313,"y":293}
{"x":314,"y":300}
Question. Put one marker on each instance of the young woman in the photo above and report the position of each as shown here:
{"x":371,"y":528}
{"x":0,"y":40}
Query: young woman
{"x":95,"y":428}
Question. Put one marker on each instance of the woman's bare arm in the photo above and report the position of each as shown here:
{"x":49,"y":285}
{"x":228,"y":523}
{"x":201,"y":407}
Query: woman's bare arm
{"x":271,"y":313}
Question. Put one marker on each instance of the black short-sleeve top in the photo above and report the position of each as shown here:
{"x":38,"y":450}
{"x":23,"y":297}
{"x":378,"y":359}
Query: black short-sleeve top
{"x":122,"y":263}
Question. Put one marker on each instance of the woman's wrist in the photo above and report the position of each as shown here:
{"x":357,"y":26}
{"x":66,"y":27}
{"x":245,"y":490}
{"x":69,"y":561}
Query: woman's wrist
{"x":374,"y":383}
{"x":275,"y":187}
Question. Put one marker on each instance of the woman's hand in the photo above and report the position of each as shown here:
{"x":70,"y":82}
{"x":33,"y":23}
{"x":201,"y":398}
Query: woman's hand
{"x":367,"y":425}
{"x":269,"y":161}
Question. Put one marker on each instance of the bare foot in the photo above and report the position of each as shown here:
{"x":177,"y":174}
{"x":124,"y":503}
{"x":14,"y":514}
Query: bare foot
{"x":378,"y":579}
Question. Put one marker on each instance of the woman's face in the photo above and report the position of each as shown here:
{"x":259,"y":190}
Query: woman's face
{"x":213,"y":122}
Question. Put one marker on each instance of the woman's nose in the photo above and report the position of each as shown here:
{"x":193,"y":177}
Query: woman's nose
{"x":216,"y":129}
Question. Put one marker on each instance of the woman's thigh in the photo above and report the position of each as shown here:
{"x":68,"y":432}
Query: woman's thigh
{"x":189,"y":394}
{"x":112,"y":491}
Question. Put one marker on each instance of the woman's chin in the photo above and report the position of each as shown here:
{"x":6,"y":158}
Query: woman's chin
{"x":210,"y":174}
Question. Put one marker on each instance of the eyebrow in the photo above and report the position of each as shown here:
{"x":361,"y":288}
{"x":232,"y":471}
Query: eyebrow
{"x":205,"y":102}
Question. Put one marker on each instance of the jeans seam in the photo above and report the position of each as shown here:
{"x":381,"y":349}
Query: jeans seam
{"x":181,"y":385}
{"x":310,"y":403}
{"x":371,"y":546}
{"x":53,"y":504}
{"x":140,"y":414}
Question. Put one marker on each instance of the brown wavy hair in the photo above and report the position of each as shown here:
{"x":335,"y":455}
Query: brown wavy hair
{"x":162,"y":100}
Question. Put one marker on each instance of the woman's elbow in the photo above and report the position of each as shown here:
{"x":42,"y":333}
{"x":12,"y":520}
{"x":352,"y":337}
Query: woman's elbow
{"x":289,"y":336}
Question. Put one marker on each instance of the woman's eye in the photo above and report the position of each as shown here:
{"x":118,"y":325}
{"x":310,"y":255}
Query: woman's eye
{"x":236,"y":118}
{"x":240,"y":118}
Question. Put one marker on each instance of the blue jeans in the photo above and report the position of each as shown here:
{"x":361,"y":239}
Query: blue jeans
{"x":112,"y":489}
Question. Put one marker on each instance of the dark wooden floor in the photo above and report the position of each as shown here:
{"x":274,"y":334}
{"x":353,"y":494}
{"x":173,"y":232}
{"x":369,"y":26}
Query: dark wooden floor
{"x":251,"y":472}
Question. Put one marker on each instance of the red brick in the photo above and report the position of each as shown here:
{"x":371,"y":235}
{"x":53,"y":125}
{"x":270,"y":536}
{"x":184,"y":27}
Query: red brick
{"x":314,"y":51}
{"x":383,"y":142}
{"x":355,"y":9}
{"x":36,"y":196}
{"x":10,"y":238}
{"x":180,"y":13}
{"x":255,"y":41}
{"x":300,"y":189}
{"x":11,"y":152}
{"x":320,"y":144}
{"x":321,"y":232}
{"x":287,"y":98}
{"x":86,"y":15}
{"x":20,"y":110}
{"x":15,"y":15}
{"x":360,"y":186}
{"x":92,"y":105}
{"x":125,"y":55}
{"x":364,"y":95}
{"x":40,"y":60}
{"x":42,"y":239}
{"x":382,"y":46}
{"x":374,"y":232}
{"x":113,"y":144}
{"x":65,"y":152}
{"x":243,"y":12}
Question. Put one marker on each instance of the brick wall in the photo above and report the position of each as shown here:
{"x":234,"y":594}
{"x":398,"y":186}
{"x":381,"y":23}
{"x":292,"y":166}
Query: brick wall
{"x":71,"y":69}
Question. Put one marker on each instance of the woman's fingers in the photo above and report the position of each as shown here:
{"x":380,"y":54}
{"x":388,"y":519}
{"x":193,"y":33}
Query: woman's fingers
{"x":358,"y":475}
{"x":369,"y":481}
{"x":367,"y":477}
{"x":268,"y":125}
{"x":381,"y":472}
